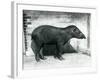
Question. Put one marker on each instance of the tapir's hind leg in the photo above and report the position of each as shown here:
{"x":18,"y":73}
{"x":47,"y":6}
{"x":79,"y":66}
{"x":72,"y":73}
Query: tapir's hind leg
{"x":41,"y":55}
{"x":36,"y":50}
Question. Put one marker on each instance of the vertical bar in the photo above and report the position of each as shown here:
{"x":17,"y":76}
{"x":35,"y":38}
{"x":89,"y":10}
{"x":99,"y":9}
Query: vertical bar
{"x":88,"y":31}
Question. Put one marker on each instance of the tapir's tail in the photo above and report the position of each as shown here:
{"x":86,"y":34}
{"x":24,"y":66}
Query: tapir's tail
{"x":33,"y":37}
{"x":33,"y":44}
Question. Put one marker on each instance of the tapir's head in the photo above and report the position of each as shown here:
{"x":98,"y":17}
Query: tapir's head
{"x":75,"y":32}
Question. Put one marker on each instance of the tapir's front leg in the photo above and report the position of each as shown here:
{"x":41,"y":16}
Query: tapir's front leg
{"x":60,"y":50}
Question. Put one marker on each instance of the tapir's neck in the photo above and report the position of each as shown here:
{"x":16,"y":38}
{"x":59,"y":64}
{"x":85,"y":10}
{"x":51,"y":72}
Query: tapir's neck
{"x":67,"y":34}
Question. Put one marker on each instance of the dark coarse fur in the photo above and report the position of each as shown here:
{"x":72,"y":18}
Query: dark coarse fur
{"x":47,"y":34}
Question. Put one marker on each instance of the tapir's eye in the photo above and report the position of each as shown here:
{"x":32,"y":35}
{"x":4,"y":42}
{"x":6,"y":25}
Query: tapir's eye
{"x":76,"y":30}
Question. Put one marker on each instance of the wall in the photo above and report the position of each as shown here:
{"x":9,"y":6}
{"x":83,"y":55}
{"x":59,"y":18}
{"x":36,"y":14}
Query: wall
{"x":59,"y":19}
{"x":5,"y":39}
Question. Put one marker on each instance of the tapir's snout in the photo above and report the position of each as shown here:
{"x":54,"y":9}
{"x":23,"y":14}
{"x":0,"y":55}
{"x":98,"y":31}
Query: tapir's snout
{"x":79,"y":35}
{"x":82,"y":36}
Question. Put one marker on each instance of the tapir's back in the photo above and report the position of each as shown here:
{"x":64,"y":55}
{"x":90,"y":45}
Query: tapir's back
{"x":46,"y":33}
{"x":44,"y":28}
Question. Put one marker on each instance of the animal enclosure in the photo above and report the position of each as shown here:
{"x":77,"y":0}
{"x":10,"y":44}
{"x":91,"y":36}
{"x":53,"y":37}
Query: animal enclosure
{"x":34,"y":18}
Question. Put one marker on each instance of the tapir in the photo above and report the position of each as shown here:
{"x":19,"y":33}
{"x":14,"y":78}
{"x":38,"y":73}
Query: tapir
{"x":52,"y":35}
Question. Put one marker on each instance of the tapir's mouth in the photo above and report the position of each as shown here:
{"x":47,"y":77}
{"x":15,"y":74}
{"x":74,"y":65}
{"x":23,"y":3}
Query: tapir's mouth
{"x":83,"y":37}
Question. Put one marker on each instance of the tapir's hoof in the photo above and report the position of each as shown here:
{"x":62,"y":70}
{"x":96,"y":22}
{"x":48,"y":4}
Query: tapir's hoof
{"x":38,"y":60}
{"x":55,"y":57}
{"x":44,"y":58}
{"x":61,"y":58}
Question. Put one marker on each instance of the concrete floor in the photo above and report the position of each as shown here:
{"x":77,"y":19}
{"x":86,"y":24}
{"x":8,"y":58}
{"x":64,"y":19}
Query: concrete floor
{"x":71,"y":60}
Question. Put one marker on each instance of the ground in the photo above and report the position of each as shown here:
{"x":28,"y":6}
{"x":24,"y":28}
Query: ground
{"x":71,"y":60}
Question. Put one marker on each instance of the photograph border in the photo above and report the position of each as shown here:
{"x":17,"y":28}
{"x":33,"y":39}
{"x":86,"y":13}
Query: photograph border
{"x":16,"y":41}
